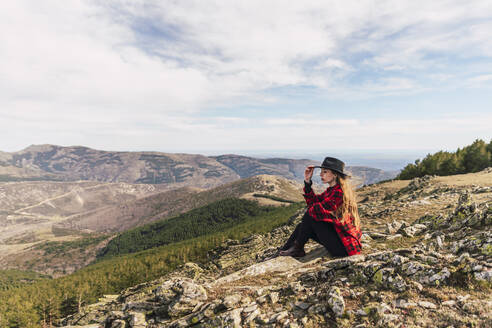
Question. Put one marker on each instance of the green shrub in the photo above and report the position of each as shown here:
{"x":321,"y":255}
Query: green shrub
{"x":472,"y":158}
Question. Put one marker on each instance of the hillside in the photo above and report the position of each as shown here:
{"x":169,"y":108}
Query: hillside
{"x":426,"y":262}
{"x":218,"y":216}
{"x":45,"y":300}
{"x":27,"y":204}
{"x":170,"y":203}
{"x":37,"y":224}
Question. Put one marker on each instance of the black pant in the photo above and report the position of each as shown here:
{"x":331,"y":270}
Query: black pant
{"x":320,"y":231}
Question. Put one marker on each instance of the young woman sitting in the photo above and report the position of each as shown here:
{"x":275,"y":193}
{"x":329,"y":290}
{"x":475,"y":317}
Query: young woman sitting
{"x":331,"y":218}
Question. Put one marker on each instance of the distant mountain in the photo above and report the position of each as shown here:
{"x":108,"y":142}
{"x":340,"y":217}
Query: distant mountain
{"x":367,"y":175}
{"x":48,"y":162}
{"x":55,"y":163}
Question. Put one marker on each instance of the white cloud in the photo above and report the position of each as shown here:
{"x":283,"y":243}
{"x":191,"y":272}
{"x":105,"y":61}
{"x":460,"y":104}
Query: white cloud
{"x":312,"y":122}
{"x":480,"y":80}
{"x":89,"y":72}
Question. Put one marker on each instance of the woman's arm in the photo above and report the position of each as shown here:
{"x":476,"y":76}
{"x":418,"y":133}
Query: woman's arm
{"x":309,"y":195}
{"x":326,"y":207}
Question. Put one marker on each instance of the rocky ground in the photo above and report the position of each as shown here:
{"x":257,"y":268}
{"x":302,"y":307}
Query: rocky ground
{"x":427,"y":262}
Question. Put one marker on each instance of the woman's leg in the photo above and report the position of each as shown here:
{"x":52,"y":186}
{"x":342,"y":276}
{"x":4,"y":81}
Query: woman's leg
{"x":288,"y":244}
{"x":326,"y":235}
{"x":295,"y":245}
{"x":306,"y":230}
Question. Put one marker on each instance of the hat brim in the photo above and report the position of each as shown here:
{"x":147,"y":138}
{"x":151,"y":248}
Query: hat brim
{"x":329,"y":168}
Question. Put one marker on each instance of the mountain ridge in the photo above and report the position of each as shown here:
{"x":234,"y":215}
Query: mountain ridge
{"x":57,"y":163}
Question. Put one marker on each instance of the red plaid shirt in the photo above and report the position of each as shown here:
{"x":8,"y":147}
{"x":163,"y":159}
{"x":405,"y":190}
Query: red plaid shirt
{"x":323,"y":207}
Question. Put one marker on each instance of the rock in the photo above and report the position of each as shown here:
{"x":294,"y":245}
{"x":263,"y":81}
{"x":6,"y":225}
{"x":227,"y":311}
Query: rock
{"x":278,"y":317}
{"x":439,"y":242}
{"x":138,"y":306}
{"x":403,"y":304}
{"x":374,"y":294}
{"x":273,"y":297}
{"x":231,"y":301}
{"x":397,"y":283}
{"x":413,"y":230}
{"x":411,"y":268}
{"x":471,"y":307}
{"x":317,"y":309}
{"x":438,"y":278}
{"x":463,"y":298}
{"x":277,"y":264}
{"x":344,"y":262}
{"x":262,"y":299}
{"x":398,"y":260}
{"x":420,"y":202}
{"x":196,"y":318}
{"x":336,"y":302}
{"x":233,"y":317}
{"x":377,"y":235}
{"x":365,"y":238}
{"x":462,"y":258}
{"x":396,"y":236}
{"x":449,"y":303}
{"x":187,"y":295}
{"x":361,"y":313}
{"x":181,"y":323}
{"x":464,"y":200}
{"x":427,"y":305}
{"x":262,"y":319}
{"x":485,"y":275}
{"x":302,"y":305}
{"x":250,"y":316}
{"x":118,"y":323}
{"x":393,"y":227}
{"x":192,"y":270}
{"x":250,"y":308}
{"x":384,"y":308}
{"x":137,"y":320}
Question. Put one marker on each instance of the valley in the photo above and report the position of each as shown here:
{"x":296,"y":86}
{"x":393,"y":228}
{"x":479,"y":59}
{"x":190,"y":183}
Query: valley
{"x":58,"y":195}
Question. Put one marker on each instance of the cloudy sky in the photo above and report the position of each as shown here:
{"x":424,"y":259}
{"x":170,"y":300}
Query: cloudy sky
{"x":245,"y":76}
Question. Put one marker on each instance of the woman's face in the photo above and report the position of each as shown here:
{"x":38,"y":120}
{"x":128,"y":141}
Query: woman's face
{"x":327,"y":176}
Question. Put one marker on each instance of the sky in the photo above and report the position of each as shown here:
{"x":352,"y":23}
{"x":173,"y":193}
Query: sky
{"x":246,"y":77}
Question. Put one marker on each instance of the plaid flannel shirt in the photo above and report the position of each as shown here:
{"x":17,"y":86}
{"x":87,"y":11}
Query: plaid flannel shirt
{"x":323,"y":208}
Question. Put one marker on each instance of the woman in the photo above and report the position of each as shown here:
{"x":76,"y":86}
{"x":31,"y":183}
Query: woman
{"x":332,"y":218}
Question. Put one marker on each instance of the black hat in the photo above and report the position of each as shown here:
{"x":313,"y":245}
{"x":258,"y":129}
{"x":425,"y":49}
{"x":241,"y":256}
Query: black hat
{"x":333,"y":164}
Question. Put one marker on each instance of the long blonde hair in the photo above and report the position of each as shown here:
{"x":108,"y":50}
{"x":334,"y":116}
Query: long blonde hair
{"x":349,"y":205}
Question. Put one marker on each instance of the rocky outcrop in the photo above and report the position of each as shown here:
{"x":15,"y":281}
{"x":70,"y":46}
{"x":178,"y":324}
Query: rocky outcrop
{"x":441,"y":278}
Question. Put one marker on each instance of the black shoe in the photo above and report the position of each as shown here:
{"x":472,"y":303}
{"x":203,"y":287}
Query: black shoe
{"x":295,"y":251}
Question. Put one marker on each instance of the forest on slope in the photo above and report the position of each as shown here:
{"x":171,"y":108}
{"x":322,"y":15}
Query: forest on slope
{"x":218,"y":216}
{"x":469,"y":159}
{"x":44,"y":301}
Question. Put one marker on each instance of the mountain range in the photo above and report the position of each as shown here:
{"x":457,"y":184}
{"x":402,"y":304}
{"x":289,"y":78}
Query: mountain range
{"x":56,"y":163}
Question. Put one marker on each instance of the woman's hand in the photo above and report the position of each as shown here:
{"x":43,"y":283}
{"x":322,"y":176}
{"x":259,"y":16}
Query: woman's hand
{"x":308,"y":173}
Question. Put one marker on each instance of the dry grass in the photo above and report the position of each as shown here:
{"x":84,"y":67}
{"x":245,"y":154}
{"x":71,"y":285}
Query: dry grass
{"x":480,"y":179}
